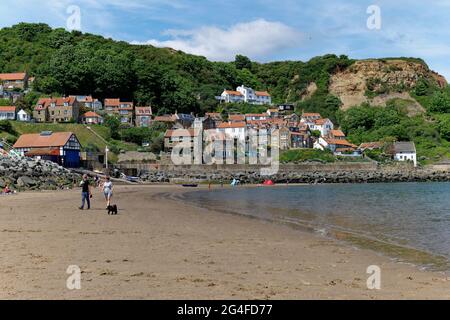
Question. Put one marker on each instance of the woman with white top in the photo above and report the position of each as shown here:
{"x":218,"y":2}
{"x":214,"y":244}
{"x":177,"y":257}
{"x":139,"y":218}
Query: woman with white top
{"x":108,"y":191}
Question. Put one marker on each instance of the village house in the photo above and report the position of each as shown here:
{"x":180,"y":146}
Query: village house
{"x":294,"y":138}
{"x":216,"y":117}
{"x":292,"y":118}
{"x":167,"y":119}
{"x":184,"y":120}
{"x":231,"y":96}
{"x":7,"y":113}
{"x":57,"y":110}
{"x":228,"y":136}
{"x":247,"y":95}
{"x":337,"y":146}
{"x":23,"y":116}
{"x":324,"y":126}
{"x":14,"y":81}
{"x":143,"y":116}
{"x":273,"y":113}
{"x":89,"y":103}
{"x":405,"y":151}
{"x":285,"y":108}
{"x":124,"y":110}
{"x":336,"y":134}
{"x":91,"y":117}
{"x":310,"y":117}
{"x":234,"y":130}
{"x":186,"y":137}
{"x":204,"y":123}
{"x":60,"y":147}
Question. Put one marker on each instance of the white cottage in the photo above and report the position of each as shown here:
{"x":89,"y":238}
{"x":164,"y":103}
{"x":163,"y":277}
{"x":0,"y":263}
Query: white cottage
{"x":23,"y":116}
{"x":405,"y":151}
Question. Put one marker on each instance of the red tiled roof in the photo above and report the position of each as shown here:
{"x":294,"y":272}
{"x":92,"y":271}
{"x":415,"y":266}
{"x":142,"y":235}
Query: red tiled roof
{"x":340,"y":142}
{"x":13,"y":76}
{"x":112,"y":102}
{"x":262,"y":93}
{"x":321,"y":121}
{"x":371,"y":145}
{"x":44,"y":103}
{"x":84,"y":99}
{"x":143,"y":111}
{"x":261,"y":115}
{"x":226,"y":125}
{"x":233,"y":93}
{"x":337,"y":133}
{"x":36,"y":140}
{"x":308,"y":115}
{"x":91,"y":114}
{"x":116,"y":103}
{"x":7,"y":109}
{"x":181,"y":133}
{"x":236,"y":117}
{"x":166,"y":118}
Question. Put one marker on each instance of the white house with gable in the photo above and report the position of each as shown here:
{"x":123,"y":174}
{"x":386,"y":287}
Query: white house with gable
{"x":246,"y":94}
{"x":405,"y":151}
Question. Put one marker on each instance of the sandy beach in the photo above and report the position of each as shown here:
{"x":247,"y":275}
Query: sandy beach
{"x":160,"y":248}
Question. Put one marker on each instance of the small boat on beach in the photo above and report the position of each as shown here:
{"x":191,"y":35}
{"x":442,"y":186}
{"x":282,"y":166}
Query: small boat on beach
{"x":268,"y":183}
{"x":190,"y":185}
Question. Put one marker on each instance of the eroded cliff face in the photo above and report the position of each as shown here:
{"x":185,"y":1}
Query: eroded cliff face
{"x":375,"y":76}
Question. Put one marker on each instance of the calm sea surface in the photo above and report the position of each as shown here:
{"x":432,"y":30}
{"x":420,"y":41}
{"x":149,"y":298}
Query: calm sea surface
{"x":407,"y":221}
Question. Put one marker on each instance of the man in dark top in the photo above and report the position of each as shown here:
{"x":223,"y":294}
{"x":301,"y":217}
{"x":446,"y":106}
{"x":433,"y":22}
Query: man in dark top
{"x":85,"y":192}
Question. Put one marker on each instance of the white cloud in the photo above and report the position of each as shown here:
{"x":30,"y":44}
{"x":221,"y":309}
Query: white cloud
{"x":256,"y":39}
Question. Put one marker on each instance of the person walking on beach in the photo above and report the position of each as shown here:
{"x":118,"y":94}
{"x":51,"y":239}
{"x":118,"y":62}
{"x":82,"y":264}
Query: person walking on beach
{"x":107,"y":189}
{"x":86,"y":193}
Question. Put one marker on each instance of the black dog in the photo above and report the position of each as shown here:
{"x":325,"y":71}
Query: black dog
{"x":112,"y":209}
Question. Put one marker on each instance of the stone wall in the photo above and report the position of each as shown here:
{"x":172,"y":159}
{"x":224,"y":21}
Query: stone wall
{"x":297,"y":173}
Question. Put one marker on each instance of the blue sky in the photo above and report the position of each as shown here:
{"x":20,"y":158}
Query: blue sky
{"x":265,"y":30}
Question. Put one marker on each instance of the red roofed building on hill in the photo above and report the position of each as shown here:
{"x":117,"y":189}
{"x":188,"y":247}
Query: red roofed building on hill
{"x":62,"y":109}
{"x":7,"y":113}
{"x":11,"y":81}
{"x":143,"y":116}
{"x":247,"y":95}
{"x":91,"y":117}
{"x":124,"y":110}
{"x":60,"y":147}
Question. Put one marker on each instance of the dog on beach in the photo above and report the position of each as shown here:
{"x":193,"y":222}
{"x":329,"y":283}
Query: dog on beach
{"x":112,"y":209}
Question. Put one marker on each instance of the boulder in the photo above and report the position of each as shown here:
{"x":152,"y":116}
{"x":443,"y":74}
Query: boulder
{"x":25,"y":181}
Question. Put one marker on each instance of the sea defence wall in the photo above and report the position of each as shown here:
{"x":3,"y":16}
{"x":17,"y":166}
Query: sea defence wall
{"x":358,"y":172}
{"x":31,"y":174}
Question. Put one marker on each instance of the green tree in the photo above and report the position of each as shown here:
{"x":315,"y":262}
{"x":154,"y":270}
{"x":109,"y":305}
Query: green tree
{"x":113,"y":123}
{"x":421,"y":88}
{"x":444,"y":128}
{"x":440,"y":103}
{"x":242,"y":62}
